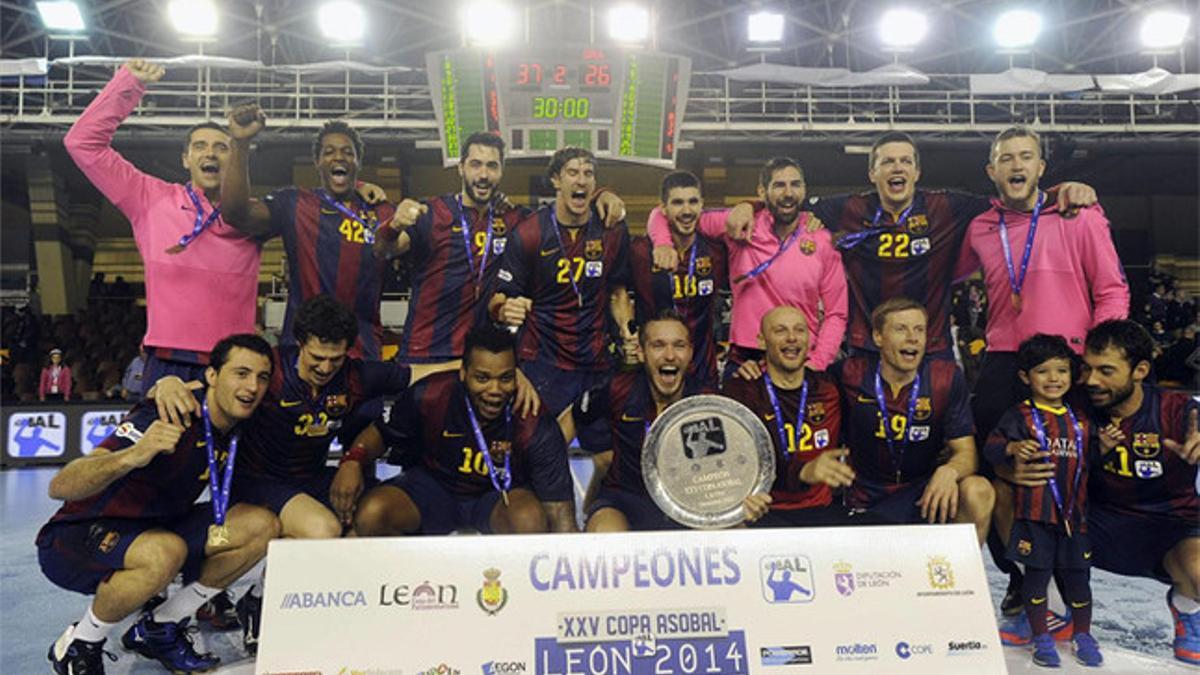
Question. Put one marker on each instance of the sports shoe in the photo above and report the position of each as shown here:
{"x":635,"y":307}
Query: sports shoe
{"x":1011,"y":604}
{"x":1044,"y":651}
{"x":76,"y":657}
{"x":1187,"y":633}
{"x":1015,"y":632}
{"x":1086,"y":650}
{"x":168,"y":643}
{"x":219,"y":613}
{"x":249,"y":611}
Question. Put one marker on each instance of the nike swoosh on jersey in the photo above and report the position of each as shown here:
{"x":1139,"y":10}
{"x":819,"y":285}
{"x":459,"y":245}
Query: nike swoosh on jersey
{"x":627,"y":418}
{"x":289,"y":404}
{"x":447,"y":434}
{"x":548,"y":253}
{"x":456,"y":229}
{"x":865,"y":399}
{"x":768,"y":417}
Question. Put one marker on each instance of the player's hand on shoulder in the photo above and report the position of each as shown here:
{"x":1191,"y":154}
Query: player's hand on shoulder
{"x":407,"y":214}
{"x":666,"y":258}
{"x":610,"y":207}
{"x":815,"y":224}
{"x":145,"y":71}
{"x":749,"y":370}
{"x":175,"y":401}
{"x":158,"y":438}
{"x":527,"y":402}
{"x":740,"y":222}
{"x":372,"y":193}
{"x":246,"y":121}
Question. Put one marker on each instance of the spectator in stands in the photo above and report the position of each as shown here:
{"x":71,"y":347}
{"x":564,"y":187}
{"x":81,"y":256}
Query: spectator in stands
{"x":121,"y":289}
{"x":55,"y":384}
{"x":98,"y":288}
{"x":1178,"y":364}
{"x":131,"y":383}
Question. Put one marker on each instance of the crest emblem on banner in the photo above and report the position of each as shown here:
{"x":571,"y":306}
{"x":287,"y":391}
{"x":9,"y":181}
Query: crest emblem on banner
{"x":941,"y":573}
{"x":843,"y":579}
{"x":491,"y":597}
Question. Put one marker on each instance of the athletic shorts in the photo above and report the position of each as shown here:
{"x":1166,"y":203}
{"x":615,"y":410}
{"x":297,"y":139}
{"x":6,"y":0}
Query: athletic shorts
{"x":898,"y":508}
{"x":1043,"y":546}
{"x":639,"y":509}
{"x":79,"y":555}
{"x":561,"y":388}
{"x":274,"y":493}
{"x":834,"y":515}
{"x":1135,"y":545}
{"x":443,"y":511}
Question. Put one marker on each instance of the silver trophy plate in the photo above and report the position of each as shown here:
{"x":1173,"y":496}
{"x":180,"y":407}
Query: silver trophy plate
{"x":702,"y":457}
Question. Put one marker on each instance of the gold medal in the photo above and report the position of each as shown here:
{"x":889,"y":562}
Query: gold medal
{"x":504,"y":494}
{"x":1015,"y":298}
{"x":218,"y":535}
{"x":1067,"y":525}
{"x":175,"y":250}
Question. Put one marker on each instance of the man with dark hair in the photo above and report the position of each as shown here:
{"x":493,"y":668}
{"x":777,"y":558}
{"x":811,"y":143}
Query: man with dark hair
{"x":693,"y":288}
{"x":559,"y":280}
{"x":201,"y":274}
{"x":329,"y":233}
{"x":903,"y":413}
{"x":474,"y":463}
{"x":130,"y":522}
{"x":1143,"y":510}
{"x":774,"y":260}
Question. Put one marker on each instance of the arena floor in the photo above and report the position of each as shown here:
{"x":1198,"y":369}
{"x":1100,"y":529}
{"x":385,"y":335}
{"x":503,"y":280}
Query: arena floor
{"x":1131,"y":618}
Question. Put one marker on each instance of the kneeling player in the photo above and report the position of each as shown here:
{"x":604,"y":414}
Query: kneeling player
{"x":479,"y":465}
{"x":130,"y":522}
{"x":629,"y":403}
{"x":1049,"y":534}
{"x":903,"y":411}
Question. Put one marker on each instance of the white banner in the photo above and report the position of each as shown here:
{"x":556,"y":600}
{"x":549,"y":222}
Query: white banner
{"x":877,"y":599}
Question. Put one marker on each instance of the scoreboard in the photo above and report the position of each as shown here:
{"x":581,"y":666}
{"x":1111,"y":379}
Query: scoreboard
{"x":619,"y":104}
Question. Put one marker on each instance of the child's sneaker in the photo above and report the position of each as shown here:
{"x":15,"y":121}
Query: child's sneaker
{"x":1087,"y":651}
{"x":1044,"y":652}
{"x":1187,"y":633}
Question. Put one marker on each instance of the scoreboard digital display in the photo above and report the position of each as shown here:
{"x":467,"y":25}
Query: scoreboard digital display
{"x":617,"y":103}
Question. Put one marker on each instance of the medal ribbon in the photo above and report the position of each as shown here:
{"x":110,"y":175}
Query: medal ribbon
{"x":1039,"y":429}
{"x":853,"y":239}
{"x":562,"y":253}
{"x":1016,"y":282}
{"x":779,"y":428}
{"x":487,"y":245}
{"x":881,"y":400}
{"x":220,"y":494}
{"x":202,"y":223}
{"x":368,"y":229}
{"x":762,"y":266}
{"x":504,"y":483}
{"x":690,"y":274}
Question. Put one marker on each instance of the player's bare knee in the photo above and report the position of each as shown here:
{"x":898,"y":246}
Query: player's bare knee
{"x":607,"y":520}
{"x":976,"y":494}
{"x":528,"y":519}
{"x":160,"y":553}
{"x":253,"y":526}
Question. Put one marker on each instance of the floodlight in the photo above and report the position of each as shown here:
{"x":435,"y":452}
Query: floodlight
{"x":1164,"y":29}
{"x":902,"y":28}
{"x":61,"y":15}
{"x":194,"y":18}
{"x":1017,"y":28}
{"x":765,"y":27}
{"x":489,"y":23}
{"x":342,"y":22}
{"x":628,"y":23}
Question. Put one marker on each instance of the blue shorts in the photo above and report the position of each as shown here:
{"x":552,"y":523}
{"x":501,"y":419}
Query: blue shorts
{"x":274,"y":493}
{"x":638,"y":508}
{"x":442,"y":511}
{"x":1135,"y":545}
{"x":898,"y":508}
{"x":561,"y":388}
{"x":80,"y":555}
{"x":1042,"y":546}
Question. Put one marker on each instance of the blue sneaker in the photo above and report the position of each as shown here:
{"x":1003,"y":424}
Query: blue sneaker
{"x":1016,"y":632}
{"x":1086,"y":650}
{"x":76,"y":657}
{"x":1187,"y":633}
{"x":168,"y":643}
{"x":1044,"y":652}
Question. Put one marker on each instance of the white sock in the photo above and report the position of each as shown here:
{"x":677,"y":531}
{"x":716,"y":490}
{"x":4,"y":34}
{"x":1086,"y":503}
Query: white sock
{"x":256,"y":589}
{"x":184,"y":602}
{"x":91,"y":629}
{"x":1184,"y":604}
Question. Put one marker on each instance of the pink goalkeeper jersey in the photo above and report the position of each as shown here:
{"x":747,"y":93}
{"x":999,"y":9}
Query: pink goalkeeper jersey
{"x":808,"y":276}
{"x":1074,"y":279}
{"x":193,"y":298}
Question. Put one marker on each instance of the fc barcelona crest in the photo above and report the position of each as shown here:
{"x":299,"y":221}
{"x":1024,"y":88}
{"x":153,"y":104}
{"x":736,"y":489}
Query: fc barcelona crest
{"x":499,"y":228}
{"x":918,"y":224}
{"x":815,"y":412}
{"x":336,"y":404}
{"x":924,"y":408}
{"x":492,"y":597}
{"x":1024,"y":547}
{"x":703,"y":266}
{"x":1145,"y":445}
{"x":593,"y":249}
{"x":808,"y":247}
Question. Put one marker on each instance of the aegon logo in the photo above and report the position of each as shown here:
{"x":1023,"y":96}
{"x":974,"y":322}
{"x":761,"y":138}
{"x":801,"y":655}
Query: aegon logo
{"x":498,"y":667}
{"x":323,"y":599}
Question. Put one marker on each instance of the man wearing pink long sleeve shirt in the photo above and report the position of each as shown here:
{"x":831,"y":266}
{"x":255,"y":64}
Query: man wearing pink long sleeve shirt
{"x":201,"y":274}
{"x":780,"y":264}
{"x":1069,"y":281}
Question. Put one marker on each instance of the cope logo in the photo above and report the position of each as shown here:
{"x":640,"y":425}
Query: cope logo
{"x":97,"y":426}
{"x":40,"y":434}
{"x":786,"y":579}
{"x":907,"y":650}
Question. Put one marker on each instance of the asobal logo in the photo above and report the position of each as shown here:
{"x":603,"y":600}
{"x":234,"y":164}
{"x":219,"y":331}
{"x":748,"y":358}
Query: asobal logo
{"x":906,"y":650}
{"x":323,"y":599}
{"x":786,"y":579}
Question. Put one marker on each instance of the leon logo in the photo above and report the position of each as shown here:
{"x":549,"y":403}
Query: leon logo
{"x":491,"y":597}
{"x":843,"y":579}
{"x":941,"y":573}
{"x":41,"y":434}
{"x":786,"y":579}
{"x":703,"y":438}
{"x":97,"y":426}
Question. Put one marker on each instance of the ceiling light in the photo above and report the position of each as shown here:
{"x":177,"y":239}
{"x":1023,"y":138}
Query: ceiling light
{"x":902,"y":28}
{"x":1017,"y":28}
{"x":342,"y":22}
{"x":765,"y":27}
{"x":629,"y":23}
{"x":194,"y":18}
{"x":61,"y":15}
{"x":489,"y":23}
{"x":1164,"y":29}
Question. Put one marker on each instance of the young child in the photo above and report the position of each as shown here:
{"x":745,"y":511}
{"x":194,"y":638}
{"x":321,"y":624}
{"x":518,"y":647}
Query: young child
{"x":1049,"y":533}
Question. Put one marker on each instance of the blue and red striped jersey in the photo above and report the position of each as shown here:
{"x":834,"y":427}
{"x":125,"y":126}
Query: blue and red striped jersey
{"x":626,"y":403}
{"x":288,"y":436}
{"x":561,"y":330}
{"x":820,"y":432}
{"x":448,"y":298}
{"x":430,"y":422}
{"x":941,"y":413}
{"x":165,"y":488}
{"x":1140,"y":476}
{"x":915,"y":258}
{"x":328,"y":254}
{"x":1037,"y":503}
{"x":696,"y":296}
